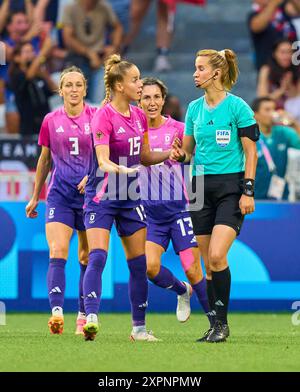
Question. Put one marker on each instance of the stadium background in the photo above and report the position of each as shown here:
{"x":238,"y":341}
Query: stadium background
{"x":264,"y":260}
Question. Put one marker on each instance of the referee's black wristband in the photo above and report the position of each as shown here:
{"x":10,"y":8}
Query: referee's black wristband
{"x":182,"y":159}
{"x":248,"y":187}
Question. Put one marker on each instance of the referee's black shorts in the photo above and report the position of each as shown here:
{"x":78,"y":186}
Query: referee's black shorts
{"x":222,"y":193}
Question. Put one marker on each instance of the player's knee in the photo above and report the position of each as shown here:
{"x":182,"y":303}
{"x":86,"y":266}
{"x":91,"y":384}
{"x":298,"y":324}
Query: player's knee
{"x":153,"y":270}
{"x":194,"y":274}
{"x":216,"y":259}
{"x":83,"y":257}
{"x":58,"y":251}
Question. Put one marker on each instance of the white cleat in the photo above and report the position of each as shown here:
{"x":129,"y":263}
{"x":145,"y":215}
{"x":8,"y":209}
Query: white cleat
{"x":143,"y":336}
{"x":183,"y":310}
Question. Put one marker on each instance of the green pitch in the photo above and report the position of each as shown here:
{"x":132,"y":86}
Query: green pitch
{"x":258,"y":342}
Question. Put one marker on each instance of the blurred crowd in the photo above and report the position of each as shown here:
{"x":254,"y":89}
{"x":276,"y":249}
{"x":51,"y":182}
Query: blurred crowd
{"x":41,"y":37}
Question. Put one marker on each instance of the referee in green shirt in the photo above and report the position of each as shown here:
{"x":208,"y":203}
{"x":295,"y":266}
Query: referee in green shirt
{"x":221,"y":130}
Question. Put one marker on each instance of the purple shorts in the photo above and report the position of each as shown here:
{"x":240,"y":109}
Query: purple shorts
{"x":127,"y":220}
{"x":179,"y":230}
{"x":72,"y":217}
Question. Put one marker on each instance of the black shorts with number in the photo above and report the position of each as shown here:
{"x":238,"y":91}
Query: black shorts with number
{"x":222,"y":193}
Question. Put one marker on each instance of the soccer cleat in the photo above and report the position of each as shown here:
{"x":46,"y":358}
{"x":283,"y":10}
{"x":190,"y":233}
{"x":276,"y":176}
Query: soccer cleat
{"x":90,"y":331}
{"x":205,"y":336}
{"x":183,"y":310}
{"x":80,"y":323}
{"x":143,"y":336}
{"x":219,"y":333}
{"x":56,"y":325}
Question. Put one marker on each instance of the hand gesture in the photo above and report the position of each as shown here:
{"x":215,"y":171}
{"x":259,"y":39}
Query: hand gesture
{"x":30,"y":209}
{"x":82,"y":184}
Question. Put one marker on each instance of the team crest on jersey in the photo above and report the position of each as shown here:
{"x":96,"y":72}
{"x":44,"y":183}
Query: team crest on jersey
{"x":99,"y":135}
{"x":87,"y":129}
{"x":223,"y":137}
{"x":139,"y":125}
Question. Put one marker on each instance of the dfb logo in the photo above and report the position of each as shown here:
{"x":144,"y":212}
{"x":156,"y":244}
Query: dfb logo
{"x":51,"y":213}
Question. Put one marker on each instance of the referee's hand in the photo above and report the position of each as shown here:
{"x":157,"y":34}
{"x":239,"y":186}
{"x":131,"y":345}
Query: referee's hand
{"x":247,"y":205}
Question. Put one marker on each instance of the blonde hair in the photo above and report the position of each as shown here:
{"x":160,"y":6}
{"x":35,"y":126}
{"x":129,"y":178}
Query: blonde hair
{"x":73,"y":68}
{"x":226,"y":60}
{"x":114,"y":70}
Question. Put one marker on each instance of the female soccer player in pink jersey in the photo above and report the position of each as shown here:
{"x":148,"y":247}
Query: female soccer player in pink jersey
{"x":120,"y":138}
{"x":66,"y":141}
{"x":168,"y":217}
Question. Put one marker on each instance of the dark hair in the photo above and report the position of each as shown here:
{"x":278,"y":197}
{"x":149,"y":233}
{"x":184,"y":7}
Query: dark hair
{"x":150,"y":81}
{"x":256,"y":104}
{"x":276,"y":71}
{"x":12,"y":14}
{"x":14,"y":66}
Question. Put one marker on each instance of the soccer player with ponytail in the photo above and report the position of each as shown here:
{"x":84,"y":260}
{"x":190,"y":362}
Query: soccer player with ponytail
{"x":220,"y":129}
{"x":121,"y":143}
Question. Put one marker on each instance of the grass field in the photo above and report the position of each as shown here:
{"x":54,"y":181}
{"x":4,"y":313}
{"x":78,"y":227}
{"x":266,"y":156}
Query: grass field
{"x":258,"y":342}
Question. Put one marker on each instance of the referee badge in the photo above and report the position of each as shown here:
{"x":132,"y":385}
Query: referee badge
{"x":223,"y":137}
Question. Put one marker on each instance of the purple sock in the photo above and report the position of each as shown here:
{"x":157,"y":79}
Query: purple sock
{"x":56,"y":281}
{"x":201,"y":292}
{"x":81,"y":297}
{"x":138,"y":289}
{"x":167,"y":280}
{"x":92,"y":281}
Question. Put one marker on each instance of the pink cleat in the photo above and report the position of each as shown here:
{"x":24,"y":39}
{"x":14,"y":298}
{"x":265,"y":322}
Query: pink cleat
{"x":80,"y":323}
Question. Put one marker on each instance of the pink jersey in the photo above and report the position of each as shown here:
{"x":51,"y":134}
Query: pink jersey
{"x":124,"y":136}
{"x":163,"y":198}
{"x":70,"y":142}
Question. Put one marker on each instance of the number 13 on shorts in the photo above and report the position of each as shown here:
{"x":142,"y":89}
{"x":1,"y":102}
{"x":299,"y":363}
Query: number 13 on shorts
{"x":185,"y":224}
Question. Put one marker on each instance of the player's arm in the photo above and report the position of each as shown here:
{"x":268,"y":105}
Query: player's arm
{"x":42,"y":171}
{"x":149,"y":157}
{"x":247,"y":199}
{"x":106,"y":165}
{"x":183,"y":153}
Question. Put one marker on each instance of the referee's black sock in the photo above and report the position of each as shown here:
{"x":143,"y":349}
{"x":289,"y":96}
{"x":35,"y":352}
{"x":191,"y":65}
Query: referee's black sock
{"x":221,"y":283}
{"x":211,"y":300}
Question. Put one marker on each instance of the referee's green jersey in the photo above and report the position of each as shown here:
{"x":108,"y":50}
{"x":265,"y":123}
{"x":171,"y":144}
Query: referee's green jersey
{"x":216,"y":131}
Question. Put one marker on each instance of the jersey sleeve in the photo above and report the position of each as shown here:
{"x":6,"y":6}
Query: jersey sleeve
{"x":180,"y":128}
{"x":246,"y":123}
{"x":44,"y":136}
{"x":189,"y":123}
{"x":101,"y":127}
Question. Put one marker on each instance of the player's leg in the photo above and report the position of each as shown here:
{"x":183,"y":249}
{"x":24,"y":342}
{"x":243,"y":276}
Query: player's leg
{"x":134,"y":247}
{"x":131,"y":226}
{"x":98,"y":241}
{"x":158,"y":238}
{"x":190,"y":260}
{"x":58,"y":237}
{"x":98,"y":225}
{"x":83,"y":256}
{"x":221,"y":240}
{"x":203,"y":245}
